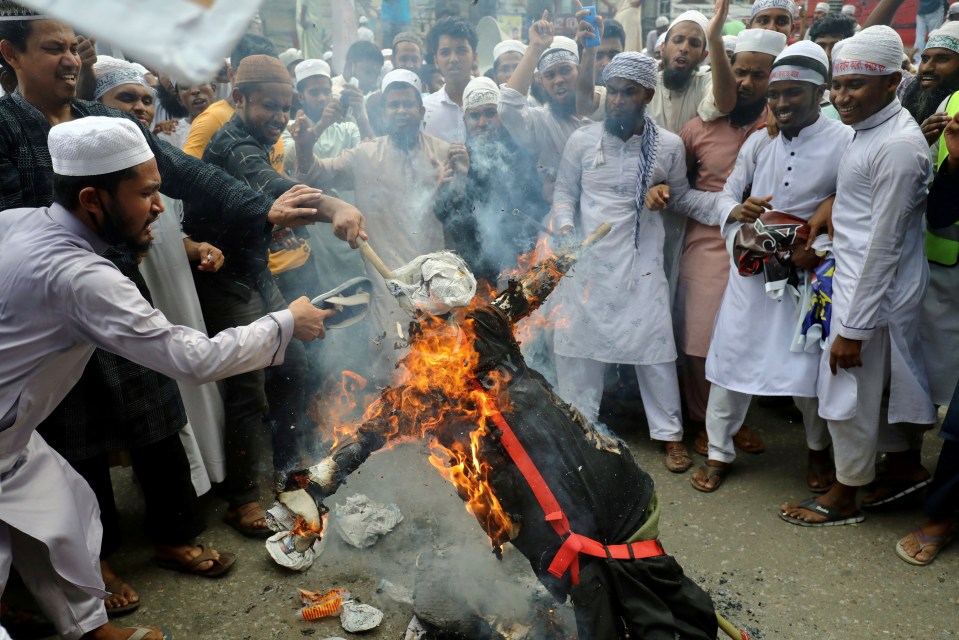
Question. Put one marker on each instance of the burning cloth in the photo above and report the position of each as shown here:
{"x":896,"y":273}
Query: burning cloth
{"x":463,"y":380}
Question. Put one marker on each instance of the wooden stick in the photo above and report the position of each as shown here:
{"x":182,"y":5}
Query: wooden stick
{"x":374,"y":259}
{"x":601,"y":232}
{"x":727,"y":627}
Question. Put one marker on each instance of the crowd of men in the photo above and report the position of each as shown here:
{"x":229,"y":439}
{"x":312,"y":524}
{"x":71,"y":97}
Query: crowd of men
{"x":784,"y":216}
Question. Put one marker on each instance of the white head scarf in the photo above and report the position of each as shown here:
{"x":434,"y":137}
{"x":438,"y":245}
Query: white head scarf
{"x":507,"y":46}
{"x":822,"y":7}
{"x":729,"y":43}
{"x":849,"y":10}
{"x":876,"y":51}
{"x":112,"y":72}
{"x":762,"y":5}
{"x":789,"y":64}
{"x":562,"y":50}
{"x":480,"y":91}
{"x":945,"y":37}
{"x":696,"y":18}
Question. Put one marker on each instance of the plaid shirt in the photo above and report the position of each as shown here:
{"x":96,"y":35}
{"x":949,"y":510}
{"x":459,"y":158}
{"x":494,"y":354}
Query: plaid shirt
{"x":117,"y":404}
{"x":234,"y":149}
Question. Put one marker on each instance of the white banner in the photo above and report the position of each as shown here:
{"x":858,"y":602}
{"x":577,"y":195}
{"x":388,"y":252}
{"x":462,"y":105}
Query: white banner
{"x":187,"y":39}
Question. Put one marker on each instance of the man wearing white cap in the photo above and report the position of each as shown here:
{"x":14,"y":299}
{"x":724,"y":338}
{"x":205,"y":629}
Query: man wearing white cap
{"x":879,"y":278}
{"x":64,"y":300}
{"x":662,"y":24}
{"x":776,"y":15}
{"x":395,"y":179}
{"x":497,"y":219}
{"x":711,"y":149}
{"x":543,"y":130}
{"x":924,"y":95}
{"x":617,"y":308}
{"x":820,"y":12}
{"x":291,"y":57}
{"x":953,"y":14}
{"x":327,"y":118}
{"x":792,"y":173}
{"x":506,"y":57}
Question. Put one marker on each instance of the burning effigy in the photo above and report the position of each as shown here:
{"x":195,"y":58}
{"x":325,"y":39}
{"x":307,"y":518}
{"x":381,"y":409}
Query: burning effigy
{"x":534,"y":473}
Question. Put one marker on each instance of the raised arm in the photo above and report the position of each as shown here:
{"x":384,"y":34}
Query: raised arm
{"x":883,"y":13}
{"x":540,"y":38}
{"x":724,"y":83}
{"x":586,"y":99}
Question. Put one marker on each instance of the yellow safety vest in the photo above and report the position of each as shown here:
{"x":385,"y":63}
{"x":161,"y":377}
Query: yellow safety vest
{"x":942,"y":245}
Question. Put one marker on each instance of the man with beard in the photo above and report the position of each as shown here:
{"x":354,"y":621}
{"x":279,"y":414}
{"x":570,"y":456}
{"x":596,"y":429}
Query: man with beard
{"x":497,"y":218}
{"x":60,"y":300}
{"x":793,"y":173}
{"x":774,"y":15}
{"x":407,"y":54}
{"x":396,"y":179}
{"x":452,"y":42}
{"x":543,"y":130}
{"x":711,"y":149}
{"x":879,"y":279}
{"x":615,"y":309}
{"x":924,"y":96}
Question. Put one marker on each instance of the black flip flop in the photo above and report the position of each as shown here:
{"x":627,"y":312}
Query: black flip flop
{"x":833,"y":517}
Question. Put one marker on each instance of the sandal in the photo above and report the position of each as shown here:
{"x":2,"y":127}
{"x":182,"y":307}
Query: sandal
{"x":141,"y":632}
{"x":677,"y":457}
{"x":895,"y":489}
{"x":748,"y":441}
{"x":115,"y":587}
{"x":936,"y":542}
{"x":710,"y":472}
{"x":236,"y":520}
{"x":833,"y":517}
{"x":701,"y":443}
{"x":220,"y":566}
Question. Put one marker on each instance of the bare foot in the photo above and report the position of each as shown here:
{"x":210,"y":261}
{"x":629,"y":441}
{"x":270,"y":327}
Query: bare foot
{"x":122,"y":593}
{"x":110,"y":632}
{"x":247,"y":518}
{"x":707,"y":479}
{"x":934,"y":533}
{"x":183,"y":554}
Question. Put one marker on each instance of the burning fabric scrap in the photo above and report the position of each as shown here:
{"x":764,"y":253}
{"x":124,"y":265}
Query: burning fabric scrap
{"x":531,"y":470}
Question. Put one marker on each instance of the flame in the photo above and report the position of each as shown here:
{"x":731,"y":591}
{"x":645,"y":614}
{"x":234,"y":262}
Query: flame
{"x":336,"y":405}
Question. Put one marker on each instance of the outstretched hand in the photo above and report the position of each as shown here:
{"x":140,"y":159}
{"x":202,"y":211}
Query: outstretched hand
{"x":541,"y":33}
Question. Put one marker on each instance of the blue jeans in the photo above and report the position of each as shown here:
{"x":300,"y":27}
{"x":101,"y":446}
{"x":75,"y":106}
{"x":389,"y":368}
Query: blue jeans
{"x":926,"y":23}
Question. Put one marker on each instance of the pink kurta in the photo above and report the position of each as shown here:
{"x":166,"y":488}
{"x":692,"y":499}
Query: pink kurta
{"x":704,"y":264}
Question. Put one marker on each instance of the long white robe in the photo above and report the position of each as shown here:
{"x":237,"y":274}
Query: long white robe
{"x":750,"y":350}
{"x":615,"y":303}
{"x":881,"y":269}
{"x":61,"y":300}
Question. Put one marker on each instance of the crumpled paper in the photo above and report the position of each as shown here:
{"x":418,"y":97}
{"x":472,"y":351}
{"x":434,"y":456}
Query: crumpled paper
{"x":359,"y":617}
{"x":362,"y":522}
{"x":282,"y":548}
{"x":435,"y":283}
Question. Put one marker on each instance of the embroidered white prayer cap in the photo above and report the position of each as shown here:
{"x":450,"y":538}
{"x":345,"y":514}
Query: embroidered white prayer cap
{"x":310,"y":68}
{"x":803,"y":61}
{"x":875,"y":51}
{"x":111,"y":73}
{"x":96,"y":145}
{"x":480,"y":91}
{"x":662,"y":21}
{"x":945,"y":37}
{"x":760,"y":41}
{"x":561,"y":50}
{"x":764,"y":5}
{"x":822,"y":7}
{"x":849,"y":10}
{"x":401,"y":75}
{"x":506,"y":46}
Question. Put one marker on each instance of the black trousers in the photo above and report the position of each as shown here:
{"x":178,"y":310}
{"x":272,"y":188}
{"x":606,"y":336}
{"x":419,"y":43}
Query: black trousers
{"x":650,"y":599}
{"x":163,"y":472}
{"x":246,"y":405}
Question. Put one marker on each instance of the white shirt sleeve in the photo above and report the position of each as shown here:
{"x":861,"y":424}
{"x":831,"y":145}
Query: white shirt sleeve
{"x":900,"y":176}
{"x":517,"y":117}
{"x":569,"y":181}
{"x":106,"y":309}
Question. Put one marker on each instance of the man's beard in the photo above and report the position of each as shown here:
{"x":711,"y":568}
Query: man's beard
{"x":111,"y":233}
{"x":623,"y":125}
{"x":677,"y":79}
{"x":563,"y":109}
{"x":922,"y":103}
{"x":746,"y":112}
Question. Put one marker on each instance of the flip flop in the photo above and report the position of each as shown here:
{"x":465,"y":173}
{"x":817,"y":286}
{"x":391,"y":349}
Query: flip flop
{"x":924,"y":541}
{"x":141,"y":632}
{"x":900,"y":489}
{"x":701,"y":443}
{"x":236,"y":521}
{"x":221,"y":566}
{"x":115,"y":587}
{"x":833,"y":517}
{"x":711,"y":472}
{"x":350,"y":301}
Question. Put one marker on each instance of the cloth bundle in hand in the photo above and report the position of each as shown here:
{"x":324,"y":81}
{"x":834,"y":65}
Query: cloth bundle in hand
{"x":766,"y":247}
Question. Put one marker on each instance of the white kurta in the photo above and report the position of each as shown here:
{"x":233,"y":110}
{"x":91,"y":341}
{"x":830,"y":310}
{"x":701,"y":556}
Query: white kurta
{"x":614,"y":306}
{"x":167,"y":272}
{"x":60,"y":300}
{"x":536,"y":128}
{"x":750,"y":350}
{"x":881,"y":270}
